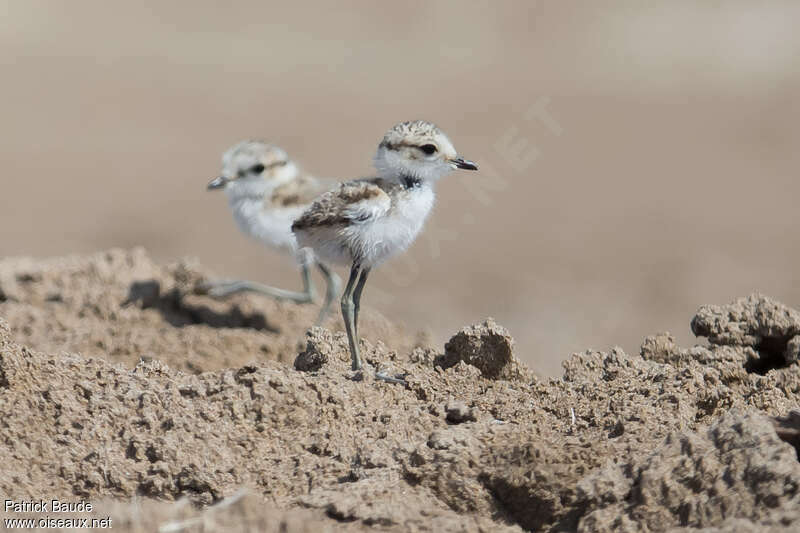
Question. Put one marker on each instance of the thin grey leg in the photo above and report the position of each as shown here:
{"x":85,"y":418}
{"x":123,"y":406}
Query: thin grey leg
{"x":333,"y":284}
{"x":357,"y":296}
{"x":222,"y":288}
{"x":348,"y":315}
{"x":362,"y":280}
{"x":305,"y":274}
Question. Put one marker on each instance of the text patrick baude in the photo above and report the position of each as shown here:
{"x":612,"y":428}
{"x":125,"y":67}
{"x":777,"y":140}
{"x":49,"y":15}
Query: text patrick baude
{"x":47,"y":506}
{"x":50,"y":508}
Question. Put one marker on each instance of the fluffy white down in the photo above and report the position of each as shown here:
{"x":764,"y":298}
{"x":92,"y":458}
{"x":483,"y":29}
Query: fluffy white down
{"x":272,"y":227}
{"x":388,"y":231}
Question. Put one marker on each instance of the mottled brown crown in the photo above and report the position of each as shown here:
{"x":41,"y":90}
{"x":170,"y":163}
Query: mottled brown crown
{"x":412,"y":133}
{"x":245,"y":154}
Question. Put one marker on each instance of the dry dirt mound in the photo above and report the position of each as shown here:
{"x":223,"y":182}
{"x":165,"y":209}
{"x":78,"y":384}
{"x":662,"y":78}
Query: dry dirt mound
{"x":669,"y":439}
{"x":122,"y":306}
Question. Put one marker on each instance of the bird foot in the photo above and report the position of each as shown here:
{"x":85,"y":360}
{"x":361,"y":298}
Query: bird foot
{"x":359,"y":375}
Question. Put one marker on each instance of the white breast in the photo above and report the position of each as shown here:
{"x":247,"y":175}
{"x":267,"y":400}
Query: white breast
{"x":381,"y":238}
{"x":272,"y":227}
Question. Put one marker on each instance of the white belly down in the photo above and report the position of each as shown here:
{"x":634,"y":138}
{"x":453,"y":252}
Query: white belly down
{"x":374,"y":240}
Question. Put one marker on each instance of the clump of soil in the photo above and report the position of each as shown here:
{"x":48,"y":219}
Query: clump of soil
{"x":488,"y":347}
{"x":769,"y":327}
{"x":470,"y":440}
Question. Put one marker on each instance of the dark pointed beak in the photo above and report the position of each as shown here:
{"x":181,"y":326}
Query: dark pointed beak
{"x":462,"y":163}
{"x":217,"y":183}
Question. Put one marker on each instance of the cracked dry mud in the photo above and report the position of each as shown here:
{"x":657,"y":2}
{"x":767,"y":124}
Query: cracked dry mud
{"x":169,"y":409}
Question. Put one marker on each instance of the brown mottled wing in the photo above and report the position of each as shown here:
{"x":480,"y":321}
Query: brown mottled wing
{"x":354,"y":202}
{"x":300,"y":191}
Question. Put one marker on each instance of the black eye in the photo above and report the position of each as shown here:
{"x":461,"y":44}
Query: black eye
{"x":428,"y":149}
{"x":257,"y":169}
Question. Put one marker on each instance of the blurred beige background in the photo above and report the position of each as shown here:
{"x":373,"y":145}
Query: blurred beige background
{"x":637,"y":160}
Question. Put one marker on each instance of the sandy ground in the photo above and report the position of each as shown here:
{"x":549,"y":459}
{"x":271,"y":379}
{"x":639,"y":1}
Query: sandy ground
{"x":170,"y":411}
{"x":109,"y":304}
{"x":637,"y":162}
{"x":666,"y":179}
